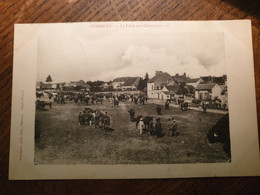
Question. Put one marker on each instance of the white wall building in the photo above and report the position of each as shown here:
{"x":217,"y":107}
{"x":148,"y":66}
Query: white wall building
{"x":208,"y":91}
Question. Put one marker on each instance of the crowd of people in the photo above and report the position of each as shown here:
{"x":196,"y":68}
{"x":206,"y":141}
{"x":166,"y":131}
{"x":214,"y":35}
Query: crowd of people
{"x":156,"y":129}
{"x":146,"y":124}
{"x":98,"y":119}
{"x":141,"y":99}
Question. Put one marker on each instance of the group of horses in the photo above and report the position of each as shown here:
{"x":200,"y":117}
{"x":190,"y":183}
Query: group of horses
{"x":61,"y":98}
{"x":94,"y":117}
{"x":40,"y":105}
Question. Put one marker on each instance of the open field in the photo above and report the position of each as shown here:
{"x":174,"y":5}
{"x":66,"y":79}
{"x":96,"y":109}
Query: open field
{"x":63,"y":141}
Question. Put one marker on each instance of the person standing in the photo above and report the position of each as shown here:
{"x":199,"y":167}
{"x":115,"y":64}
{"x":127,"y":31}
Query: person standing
{"x":83,"y":118}
{"x":158,"y":128}
{"x":167,"y":105}
{"x":141,"y":125}
{"x":151,"y":128}
{"x":87,"y":99}
{"x":170,"y":127}
{"x":112,"y":101}
{"x":80,"y":118}
{"x":174,"y":128}
{"x":158,"y":109}
{"x":132,"y":114}
{"x":135,"y":100}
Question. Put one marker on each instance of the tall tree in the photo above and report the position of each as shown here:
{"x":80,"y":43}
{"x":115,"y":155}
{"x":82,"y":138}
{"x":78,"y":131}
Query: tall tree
{"x":143,"y":82}
{"x":146,"y":77}
{"x":48,"y":79}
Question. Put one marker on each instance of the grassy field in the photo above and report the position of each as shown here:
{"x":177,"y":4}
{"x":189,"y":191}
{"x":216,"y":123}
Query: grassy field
{"x":63,"y":141}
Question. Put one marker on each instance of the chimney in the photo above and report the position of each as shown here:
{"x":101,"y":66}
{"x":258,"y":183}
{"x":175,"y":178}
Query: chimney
{"x":184,"y":74}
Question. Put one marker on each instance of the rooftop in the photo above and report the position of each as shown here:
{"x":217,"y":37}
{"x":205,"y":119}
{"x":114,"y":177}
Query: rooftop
{"x":205,"y":86}
{"x":163,"y":76}
{"x":130,"y":81}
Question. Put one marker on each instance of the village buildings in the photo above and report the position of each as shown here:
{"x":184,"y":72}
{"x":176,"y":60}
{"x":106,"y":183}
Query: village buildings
{"x":208,"y":91}
{"x":62,"y":85}
{"x":166,"y":87}
{"x":156,"y":85}
{"x":126,"y":83}
{"x":162,"y":86}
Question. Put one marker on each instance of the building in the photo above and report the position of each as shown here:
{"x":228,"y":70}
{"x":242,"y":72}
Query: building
{"x":181,"y":79}
{"x":209,"y":91}
{"x":222,"y":80}
{"x":118,"y":82}
{"x":39,"y":84}
{"x":156,"y":84}
{"x":194,"y":82}
{"x":46,"y":85}
{"x":165,"y":95}
{"x":170,"y":92}
{"x":77,"y":84}
{"x":131,"y":83}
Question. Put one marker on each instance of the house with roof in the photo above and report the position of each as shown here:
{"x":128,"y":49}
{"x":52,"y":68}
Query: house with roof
{"x":208,"y":91}
{"x":156,"y":84}
{"x":131,"y":83}
{"x":181,"y":79}
{"x":71,"y":84}
{"x":221,"y":80}
{"x":46,"y":85}
{"x":194,"y":82}
{"x":82,"y":84}
{"x":39,"y":84}
{"x":165,"y":95}
{"x":170,"y":92}
{"x":77,"y":84}
{"x":118,"y":82}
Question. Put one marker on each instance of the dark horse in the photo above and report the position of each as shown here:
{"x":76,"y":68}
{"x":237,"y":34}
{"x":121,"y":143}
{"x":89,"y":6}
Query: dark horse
{"x":116,"y":103}
{"x":99,"y":100}
{"x":220,"y":133}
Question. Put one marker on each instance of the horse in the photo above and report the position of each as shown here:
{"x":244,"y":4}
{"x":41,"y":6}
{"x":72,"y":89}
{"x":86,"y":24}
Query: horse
{"x":39,"y":95}
{"x":99,"y":100}
{"x":40,"y":105}
{"x":220,"y":133}
{"x":116,"y":103}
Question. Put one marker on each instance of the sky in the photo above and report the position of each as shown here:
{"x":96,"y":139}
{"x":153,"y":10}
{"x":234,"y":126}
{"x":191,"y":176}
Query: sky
{"x":73,"y":55}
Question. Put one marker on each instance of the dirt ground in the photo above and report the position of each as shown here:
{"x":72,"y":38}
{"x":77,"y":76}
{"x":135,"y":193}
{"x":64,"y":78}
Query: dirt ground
{"x":63,"y":141}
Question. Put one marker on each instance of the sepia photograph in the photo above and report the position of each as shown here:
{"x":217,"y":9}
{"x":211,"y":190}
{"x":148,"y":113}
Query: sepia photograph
{"x":124,"y":100}
{"x":131,"y":98}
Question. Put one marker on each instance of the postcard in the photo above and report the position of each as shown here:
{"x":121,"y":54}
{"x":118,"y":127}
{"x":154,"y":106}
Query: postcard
{"x":123,"y":100}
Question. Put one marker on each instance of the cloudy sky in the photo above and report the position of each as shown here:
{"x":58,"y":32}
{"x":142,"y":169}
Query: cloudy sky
{"x":74,"y":54}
